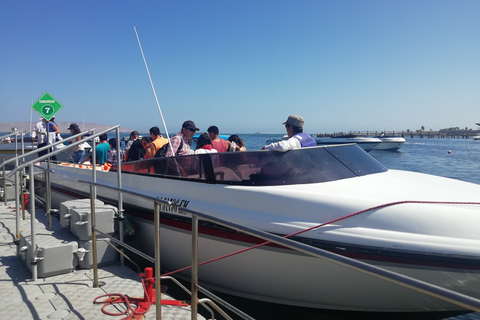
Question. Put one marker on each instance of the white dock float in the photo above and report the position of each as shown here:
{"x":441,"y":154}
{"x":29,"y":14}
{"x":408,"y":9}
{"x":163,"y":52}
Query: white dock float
{"x":64,"y":296}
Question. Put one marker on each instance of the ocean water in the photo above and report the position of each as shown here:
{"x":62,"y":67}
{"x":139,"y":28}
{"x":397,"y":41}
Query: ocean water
{"x":417,"y":154}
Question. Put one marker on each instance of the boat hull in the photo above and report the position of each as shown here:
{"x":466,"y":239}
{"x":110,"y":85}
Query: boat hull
{"x":367,"y":144}
{"x":283,"y":276}
{"x":390,"y":143}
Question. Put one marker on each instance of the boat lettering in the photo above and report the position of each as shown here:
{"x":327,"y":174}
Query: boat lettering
{"x":176,"y":203}
{"x":47,"y":101}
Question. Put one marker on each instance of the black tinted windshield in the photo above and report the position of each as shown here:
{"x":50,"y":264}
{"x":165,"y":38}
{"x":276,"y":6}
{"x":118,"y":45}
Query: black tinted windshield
{"x":306,"y":165}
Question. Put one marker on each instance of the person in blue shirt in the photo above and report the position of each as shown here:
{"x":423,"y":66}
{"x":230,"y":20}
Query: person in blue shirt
{"x":101,"y":150}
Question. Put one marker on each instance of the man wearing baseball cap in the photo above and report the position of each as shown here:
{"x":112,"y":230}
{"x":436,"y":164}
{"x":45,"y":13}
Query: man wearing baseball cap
{"x":180,"y":142}
{"x":296,"y":138}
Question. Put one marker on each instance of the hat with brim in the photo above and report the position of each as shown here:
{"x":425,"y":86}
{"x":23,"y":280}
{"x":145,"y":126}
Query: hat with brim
{"x":190,"y":125}
{"x":295,"y":121}
{"x":72,"y":126}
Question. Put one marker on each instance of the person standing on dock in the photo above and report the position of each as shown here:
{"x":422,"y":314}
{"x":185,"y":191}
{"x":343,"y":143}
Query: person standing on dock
{"x":297,"y":139}
{"x":47,"y":132}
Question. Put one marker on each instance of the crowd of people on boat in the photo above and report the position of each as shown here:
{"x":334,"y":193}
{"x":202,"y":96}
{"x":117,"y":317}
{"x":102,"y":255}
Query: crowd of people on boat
{"x":156,"y":145}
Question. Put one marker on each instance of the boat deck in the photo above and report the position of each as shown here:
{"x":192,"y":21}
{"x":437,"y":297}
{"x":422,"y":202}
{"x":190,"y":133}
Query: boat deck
{"x":67,"y":296}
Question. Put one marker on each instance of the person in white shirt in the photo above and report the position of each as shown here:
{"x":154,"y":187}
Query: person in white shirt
{"x":204,"y":144}
{"x":40,"y":133}
{"x":297,"y":139}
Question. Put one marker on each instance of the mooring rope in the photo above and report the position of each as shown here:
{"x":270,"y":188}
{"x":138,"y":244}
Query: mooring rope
{"x":118,"y":298}
{"x":324,"y":224}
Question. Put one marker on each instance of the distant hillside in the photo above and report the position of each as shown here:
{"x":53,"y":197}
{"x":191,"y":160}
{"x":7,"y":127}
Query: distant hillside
{"x":62,"y":126}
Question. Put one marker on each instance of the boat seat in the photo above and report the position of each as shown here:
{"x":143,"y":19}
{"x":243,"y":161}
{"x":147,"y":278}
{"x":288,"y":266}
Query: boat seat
{"x":226,"y":174}
{"x":245,"y":172}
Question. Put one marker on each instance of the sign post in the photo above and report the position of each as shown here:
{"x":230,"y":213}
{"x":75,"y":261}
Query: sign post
{"x":47,"y":106}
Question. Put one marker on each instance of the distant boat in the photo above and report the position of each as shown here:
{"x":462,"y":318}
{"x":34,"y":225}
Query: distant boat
{"x":221,"y":136}
{"x":276,"y":139}
{"x":477,"y":137}
{"x":390,"y":143}
{"x":9,"y":149}
{"x":364,"y":142}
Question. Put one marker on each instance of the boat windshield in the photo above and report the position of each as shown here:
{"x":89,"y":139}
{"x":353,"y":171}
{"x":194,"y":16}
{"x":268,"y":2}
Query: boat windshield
{"x":300,"y":166}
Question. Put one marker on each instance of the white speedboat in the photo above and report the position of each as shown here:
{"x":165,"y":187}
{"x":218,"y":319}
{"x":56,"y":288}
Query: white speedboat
{"x":9,"y":149}
{"x":364,"y":142}
{"x":477,"y":138}
{"x":337,"y":198}
{"x":276,"y":139}
{"x":390,"y":143}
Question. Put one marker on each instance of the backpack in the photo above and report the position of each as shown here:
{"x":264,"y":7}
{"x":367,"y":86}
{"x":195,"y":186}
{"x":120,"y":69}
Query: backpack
{"x":163,"y":150}
{"x":136,"y":150}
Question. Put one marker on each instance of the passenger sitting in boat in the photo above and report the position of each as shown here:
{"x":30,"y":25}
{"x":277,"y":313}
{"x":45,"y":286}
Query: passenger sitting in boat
{"x":100,"y":150}
{"x":145,"y":144}
{"x":157,"y":142}
{"x":221,"y":145}
{"x":297,"y":139}
{"x":133,"y":147}
{"x":236,"y":143}
{"x":112,"y":152}
{"x":182,"y":140}
{"x":77,"y":151}
{"x":204,"y":144}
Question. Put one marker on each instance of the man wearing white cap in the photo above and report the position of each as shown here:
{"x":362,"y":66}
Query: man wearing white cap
{"x":297,"y":139}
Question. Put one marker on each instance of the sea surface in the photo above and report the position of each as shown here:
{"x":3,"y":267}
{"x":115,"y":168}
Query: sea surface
{"x":425,"y":155}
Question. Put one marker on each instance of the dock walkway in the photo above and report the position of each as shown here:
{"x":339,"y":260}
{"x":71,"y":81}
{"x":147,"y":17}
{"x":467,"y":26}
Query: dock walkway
{"x":67,"y":296}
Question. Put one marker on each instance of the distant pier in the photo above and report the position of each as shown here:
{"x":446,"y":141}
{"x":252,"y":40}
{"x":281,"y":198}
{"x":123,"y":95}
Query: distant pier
{"x":460,"y":134}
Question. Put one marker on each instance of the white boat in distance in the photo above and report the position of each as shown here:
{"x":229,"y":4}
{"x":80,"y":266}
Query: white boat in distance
{"x":337,"y":198}
{"x":477,"y":138}
{"x":364,"y":142}
{"x":390,"y":143}
{"x":9,"y":149}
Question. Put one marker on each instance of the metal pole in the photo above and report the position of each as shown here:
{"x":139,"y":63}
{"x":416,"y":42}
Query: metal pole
{"x":94,"y":236}
{"x":194,"y":295}
{"x":4,"y":185}
{"x":93,"y":160}
{"x":120,"y":194}
{"x":17,"y":196}
{"x":33,"y":252}
{"x":22,"y":194}
{"x":158,"y":290}
{"x":23,"y":144}
{"x":48,"y":198}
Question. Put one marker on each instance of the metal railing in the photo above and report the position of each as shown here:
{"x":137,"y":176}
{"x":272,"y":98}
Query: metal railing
{"x":20,"y":164}
{"x":19,"y":177}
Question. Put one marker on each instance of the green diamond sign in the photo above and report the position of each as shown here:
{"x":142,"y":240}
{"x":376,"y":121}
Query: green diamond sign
{"x":47,"y":106}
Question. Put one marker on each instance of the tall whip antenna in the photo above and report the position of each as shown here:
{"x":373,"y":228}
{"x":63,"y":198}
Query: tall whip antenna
{"x":153,"y":88}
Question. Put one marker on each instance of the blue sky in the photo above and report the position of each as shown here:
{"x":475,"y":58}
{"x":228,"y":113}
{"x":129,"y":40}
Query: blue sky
{"x":245,"y":65}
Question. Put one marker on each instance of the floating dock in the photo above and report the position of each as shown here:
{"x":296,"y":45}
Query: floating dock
{"x":69,"y":295}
